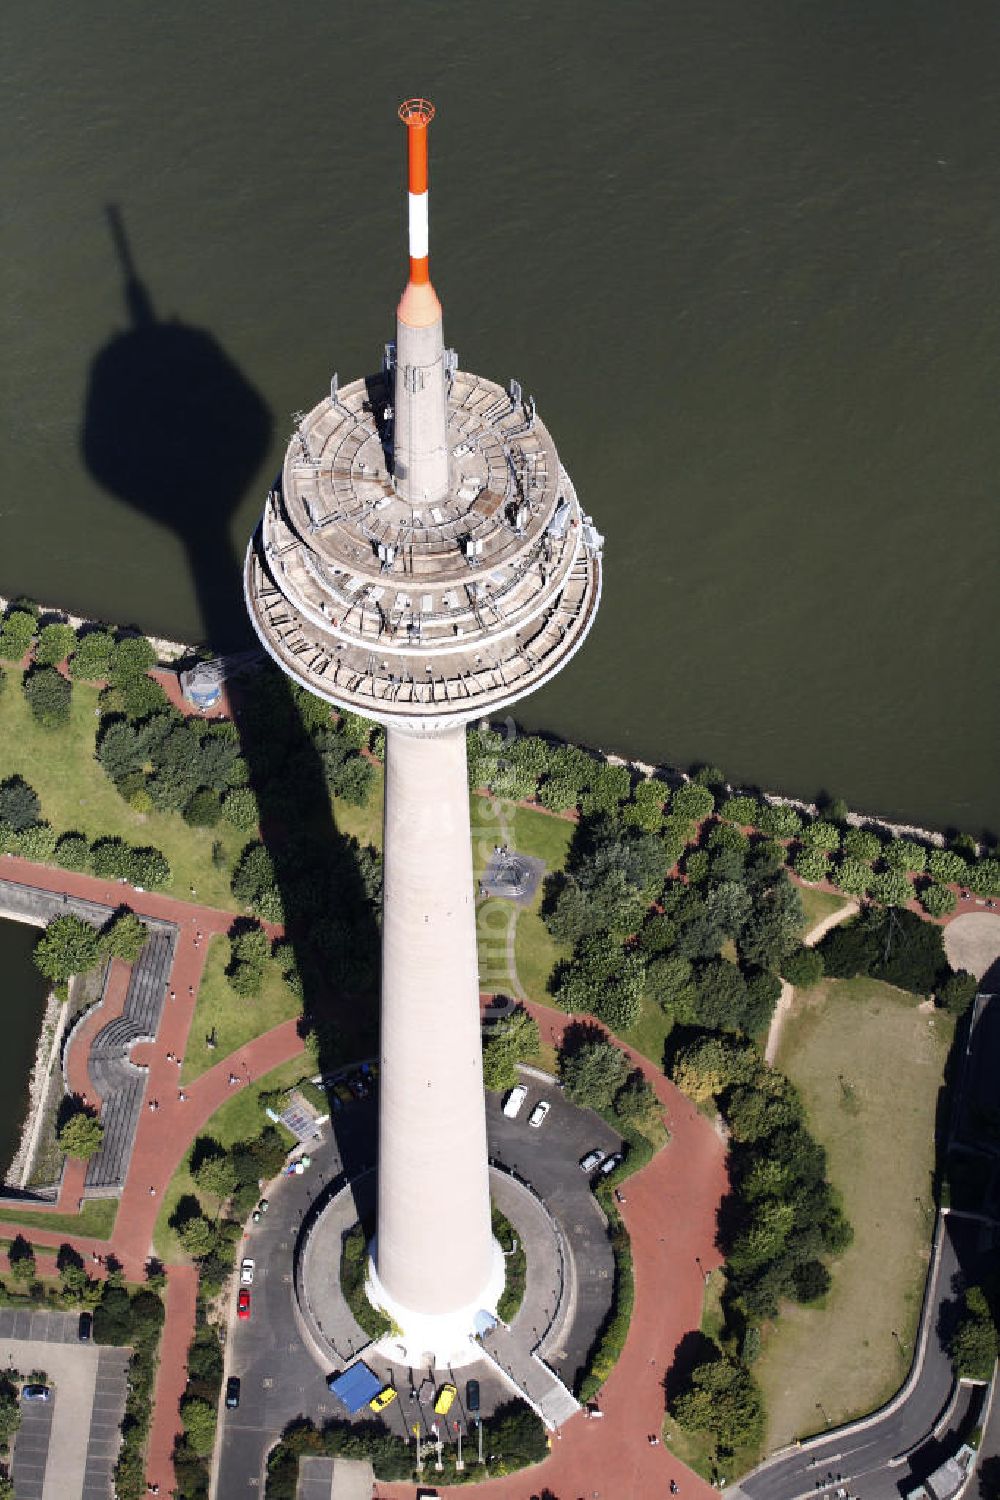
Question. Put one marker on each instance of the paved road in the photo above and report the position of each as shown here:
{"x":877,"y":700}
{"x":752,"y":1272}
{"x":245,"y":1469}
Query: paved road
{"x":67,"y":1447}
{"x":862,"y":1456}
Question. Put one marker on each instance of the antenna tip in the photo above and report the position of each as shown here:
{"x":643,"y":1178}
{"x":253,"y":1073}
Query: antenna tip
{"x":416,"y":112}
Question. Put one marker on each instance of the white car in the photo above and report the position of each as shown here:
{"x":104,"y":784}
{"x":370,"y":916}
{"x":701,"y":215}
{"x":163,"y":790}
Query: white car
{"x":514,"y":1100}
{"x":591,"y":1160}
{"x":246,"y":1273}
{"x":539,"y":1112}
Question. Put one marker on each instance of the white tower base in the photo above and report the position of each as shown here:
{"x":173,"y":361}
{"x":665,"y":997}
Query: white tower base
{"x":441,"y":1340}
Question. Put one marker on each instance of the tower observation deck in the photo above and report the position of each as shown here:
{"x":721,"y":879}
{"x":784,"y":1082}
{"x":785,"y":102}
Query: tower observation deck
{"x":424,"y":561}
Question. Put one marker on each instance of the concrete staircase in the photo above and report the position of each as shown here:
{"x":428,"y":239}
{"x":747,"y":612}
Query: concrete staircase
{"x":530,"y":1377}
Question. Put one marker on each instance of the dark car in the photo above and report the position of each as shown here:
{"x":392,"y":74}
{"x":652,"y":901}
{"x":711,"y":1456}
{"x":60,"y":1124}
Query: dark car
{"x":85,"y":1327}
{"x":35,"y":1393}
{"x":233,"y":1392}
{"x":472,"y":1395}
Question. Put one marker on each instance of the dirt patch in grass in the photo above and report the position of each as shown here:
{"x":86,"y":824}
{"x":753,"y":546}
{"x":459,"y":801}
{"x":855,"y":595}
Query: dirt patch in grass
{"x":869,"y":1065}
{"x":235,"y":1019}
{"x":819,"y":904}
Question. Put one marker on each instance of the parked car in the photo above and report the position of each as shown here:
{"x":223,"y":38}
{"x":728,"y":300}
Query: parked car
{"x":233,"y":1392}
{"x":539,"y":1112}
{"x":445,"y":1397}
{"x":610,"y":1162}
{"x":85,"y":1327}
{"x":591,"y":1160}
{"x":514,"y":1100}
{"x":385,"y":1398}
{"x":246,"y":1272}
{"x":36,"y":1393}
{"x":243,"y":1303}
{"x":472,"y":1394}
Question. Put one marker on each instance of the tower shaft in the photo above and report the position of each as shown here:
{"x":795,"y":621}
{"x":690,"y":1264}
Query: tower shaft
{"x":435,"y":1256}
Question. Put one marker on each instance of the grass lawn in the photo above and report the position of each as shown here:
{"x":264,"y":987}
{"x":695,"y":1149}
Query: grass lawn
{"x":364,"y":823}
{"x":879,"y":1136}
{"x":97,"y":1219}
{"x":650,"y":1032}
{"x":240,"y":1118}
{"x":819,"y":904}
{"x":76,"y":795}
{"x":236,"y":1020}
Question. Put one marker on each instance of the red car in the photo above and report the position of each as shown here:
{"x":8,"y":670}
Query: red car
{"x":243,"y":1303}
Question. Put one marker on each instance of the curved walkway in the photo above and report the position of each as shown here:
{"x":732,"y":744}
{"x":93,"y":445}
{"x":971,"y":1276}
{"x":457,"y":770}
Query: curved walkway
{"x":784,"y":1005}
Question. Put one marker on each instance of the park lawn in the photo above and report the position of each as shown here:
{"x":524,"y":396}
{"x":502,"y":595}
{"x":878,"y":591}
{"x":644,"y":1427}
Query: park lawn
{"x":816,"y":905}
{"x":362,"y":823}
{"x":650,"y":1032}
{"x":77,"y":796}
{"x":240,"y":1118}
{"x":841,"y":1357}
{"x":96,"y":1219}
{"x":235,"y":1019}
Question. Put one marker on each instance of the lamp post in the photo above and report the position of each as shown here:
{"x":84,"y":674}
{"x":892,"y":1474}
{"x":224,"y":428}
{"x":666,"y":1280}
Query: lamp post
{"x":459,"y":1462}
{"x":420,"y":1459}
{"x":819,"y":1408}
{"x":899,"y":1344}
{"x":479,"y":1434}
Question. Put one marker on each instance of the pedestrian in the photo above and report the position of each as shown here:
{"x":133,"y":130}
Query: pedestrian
{"x":173,"y":994}
{"x":170,"y":1057}
{"x":181,"y":1097}
{"x":152,"y":1192}
{"x":190,"y":989}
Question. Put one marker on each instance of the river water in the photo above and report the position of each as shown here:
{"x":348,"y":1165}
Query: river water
{"x":22,"y":1004}
{"x":744,"y":256}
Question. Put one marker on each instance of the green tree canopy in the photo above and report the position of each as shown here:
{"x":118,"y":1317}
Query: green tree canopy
{"x":81,"y":1136}
{"x":593,"y":1073}
{"x":123,"y":937}
{"x":198,"y":1418}
{"x":722,"y":1397}
{"x":67,"y":946}
{"x":48,"y":694}
{"x":973,"y":1345}
{"x":510,"y":1041}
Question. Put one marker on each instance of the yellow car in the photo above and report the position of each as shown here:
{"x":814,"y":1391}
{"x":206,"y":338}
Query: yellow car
{"x":385,"y":1397}
{"x":445,"y":1397}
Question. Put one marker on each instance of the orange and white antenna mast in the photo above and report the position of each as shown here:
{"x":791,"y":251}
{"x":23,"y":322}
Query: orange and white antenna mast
{"x":420,"y":459}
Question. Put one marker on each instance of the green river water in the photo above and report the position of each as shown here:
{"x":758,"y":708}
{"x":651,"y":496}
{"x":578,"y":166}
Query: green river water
{"x":22,"y":998}
{"x":744,"y":256}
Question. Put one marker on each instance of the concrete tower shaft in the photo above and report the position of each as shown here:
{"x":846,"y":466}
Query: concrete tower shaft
{"x":420,"y":415}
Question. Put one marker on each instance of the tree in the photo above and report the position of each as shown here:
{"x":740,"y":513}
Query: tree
{"x":216,"y":1174}
{"x":514,"y":1038}
{"x":604,"y":979}
{"x":240,"y":807}
{"x":722,"y":996}
{"x":706,"y":1067}
{"x":958,"y":992}
{"x":722,"y":1397}
{"x":48,"y":694}
{"x":72,"y":851}
{"x":559,"y":792}
{"x":202,"y":809}
{"x":890,"y":888}
{"x":779,"y":820}
{"x":947,"y":866}
{"x":19,"y":804}
{"x":607,"y":786}
{"x":635,"y":1098}
{"x":147,"y":867}
{"x":67,"y":946}
{"x":973,"y":1346}
{"x":124,"y":937}
{"x":852,"y":876}
{"x":55,"y":642}
{"x":91,"y":661}
{"x":37,"y":842}
{"x":645,"y":811}
{"x":904,"y":855}
{"x":198,"y":1417}
{"x":820,"y":835}
{"x":593,"y":1073}
{"x":130,"y":660}
{"x":938,"y":900}
{"x":254,"y":878}
{"x":984,"y":877}
{"x":862,"y":844}
{"x":113,"y":1316}
{"x":108,"y":858}
{"x":773,"y":925}
{"x":810,"y":864}
{"x":16,"y":634}
{"x":756,"y":1109}
{"x":743,"y":810}
{"x":811,"y":1280}
{"x":197,"y":1236}
{"x":692,"y":801}
{"x":803,"y":967}
{"x":82,"y":1135}
{"x":22,"y":1259}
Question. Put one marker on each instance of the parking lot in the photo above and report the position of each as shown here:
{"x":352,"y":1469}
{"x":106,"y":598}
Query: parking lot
{"x":67,"y":1446}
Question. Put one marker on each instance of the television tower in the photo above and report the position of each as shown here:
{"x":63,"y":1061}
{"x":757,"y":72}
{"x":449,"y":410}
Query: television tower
{"x":424,"y":561}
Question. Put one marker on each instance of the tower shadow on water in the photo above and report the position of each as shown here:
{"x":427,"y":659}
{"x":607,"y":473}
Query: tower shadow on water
{"x":174,"y":429}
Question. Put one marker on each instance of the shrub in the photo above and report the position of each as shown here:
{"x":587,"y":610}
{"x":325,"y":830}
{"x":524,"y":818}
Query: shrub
{"x":81,"y":1136}
{"x":147,"y":867}
{"x":48,"y":694}
{"x":19,"y":804}
{"x":610,"y":1341}
{"x":37,"y":842}
{"x":16,"y":634}
{"x":958,"y":992}
{"x":91,"y":661}
{"x":811,"y":864}
{"x":203,"y":810}
{"x":803,"y":967}
{"x":72,"y":851}
{"x":938,"y":900}
{"x":55,"y":642}
{"x":108,"y":858}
